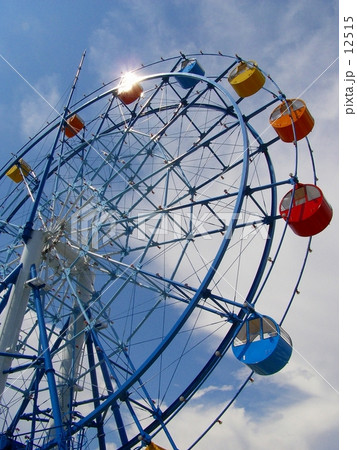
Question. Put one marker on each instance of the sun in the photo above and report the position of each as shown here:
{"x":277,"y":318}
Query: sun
{"x":129,"y":88}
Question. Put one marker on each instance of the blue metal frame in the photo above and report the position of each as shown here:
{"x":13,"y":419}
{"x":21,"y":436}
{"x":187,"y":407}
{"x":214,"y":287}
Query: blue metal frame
{"x":48,"y":367}
{"x":161,"y":418}
{"x":210,"y":274}
{"x":36,"y":380}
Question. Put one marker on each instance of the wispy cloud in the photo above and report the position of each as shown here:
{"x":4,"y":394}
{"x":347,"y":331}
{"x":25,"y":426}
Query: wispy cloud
{"x":224,"y":388}
{"x":35,"y":109}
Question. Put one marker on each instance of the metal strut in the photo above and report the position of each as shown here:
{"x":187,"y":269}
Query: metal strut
{"x":29,"y":224}
{"x":49,"y":370}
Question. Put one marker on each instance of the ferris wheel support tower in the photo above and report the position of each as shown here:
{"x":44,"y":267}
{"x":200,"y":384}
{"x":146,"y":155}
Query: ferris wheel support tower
{"x":15,"y":309}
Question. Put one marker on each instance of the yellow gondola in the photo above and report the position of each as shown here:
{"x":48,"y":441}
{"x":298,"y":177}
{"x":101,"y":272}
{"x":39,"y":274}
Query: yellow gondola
{"x":246,"y":79}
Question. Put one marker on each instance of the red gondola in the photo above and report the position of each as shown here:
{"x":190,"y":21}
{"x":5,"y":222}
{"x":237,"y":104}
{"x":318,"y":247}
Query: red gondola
{"x":310,"y":212}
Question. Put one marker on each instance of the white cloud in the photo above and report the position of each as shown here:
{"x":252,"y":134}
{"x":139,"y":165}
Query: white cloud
{"x":208,"y":389}
{"x":292,"y":427}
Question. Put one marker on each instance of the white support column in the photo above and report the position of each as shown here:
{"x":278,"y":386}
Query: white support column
{"x":12,"y":317}
{"x":72,"y":353}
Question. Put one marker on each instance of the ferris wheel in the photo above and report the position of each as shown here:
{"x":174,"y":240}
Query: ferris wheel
{"x":138,"y":232}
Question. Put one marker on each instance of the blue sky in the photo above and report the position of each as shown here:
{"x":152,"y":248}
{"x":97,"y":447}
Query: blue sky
{"x":297,"y":43}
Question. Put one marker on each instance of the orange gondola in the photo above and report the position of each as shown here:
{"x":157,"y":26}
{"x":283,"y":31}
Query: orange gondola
{"x":130,"y":94}
{"x":289,"y":115}
{"x":129,"y":89}
{"x":73,"y":126}
{"x":153,"y":446}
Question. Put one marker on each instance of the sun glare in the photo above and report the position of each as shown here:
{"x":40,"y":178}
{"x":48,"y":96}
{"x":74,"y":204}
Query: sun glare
{"x":127,"y":82}
{"x":129,"y":89}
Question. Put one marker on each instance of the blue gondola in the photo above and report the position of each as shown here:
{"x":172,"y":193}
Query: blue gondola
{"x":262,"y":345}
{"x":189,"y":66}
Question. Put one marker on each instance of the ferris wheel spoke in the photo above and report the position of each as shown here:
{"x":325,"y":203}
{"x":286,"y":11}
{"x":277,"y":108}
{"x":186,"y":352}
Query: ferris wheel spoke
{"x":104,"y":117}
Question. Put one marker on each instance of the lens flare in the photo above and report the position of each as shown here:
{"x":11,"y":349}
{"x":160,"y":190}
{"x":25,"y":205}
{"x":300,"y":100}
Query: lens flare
{"x":129,"y":88}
